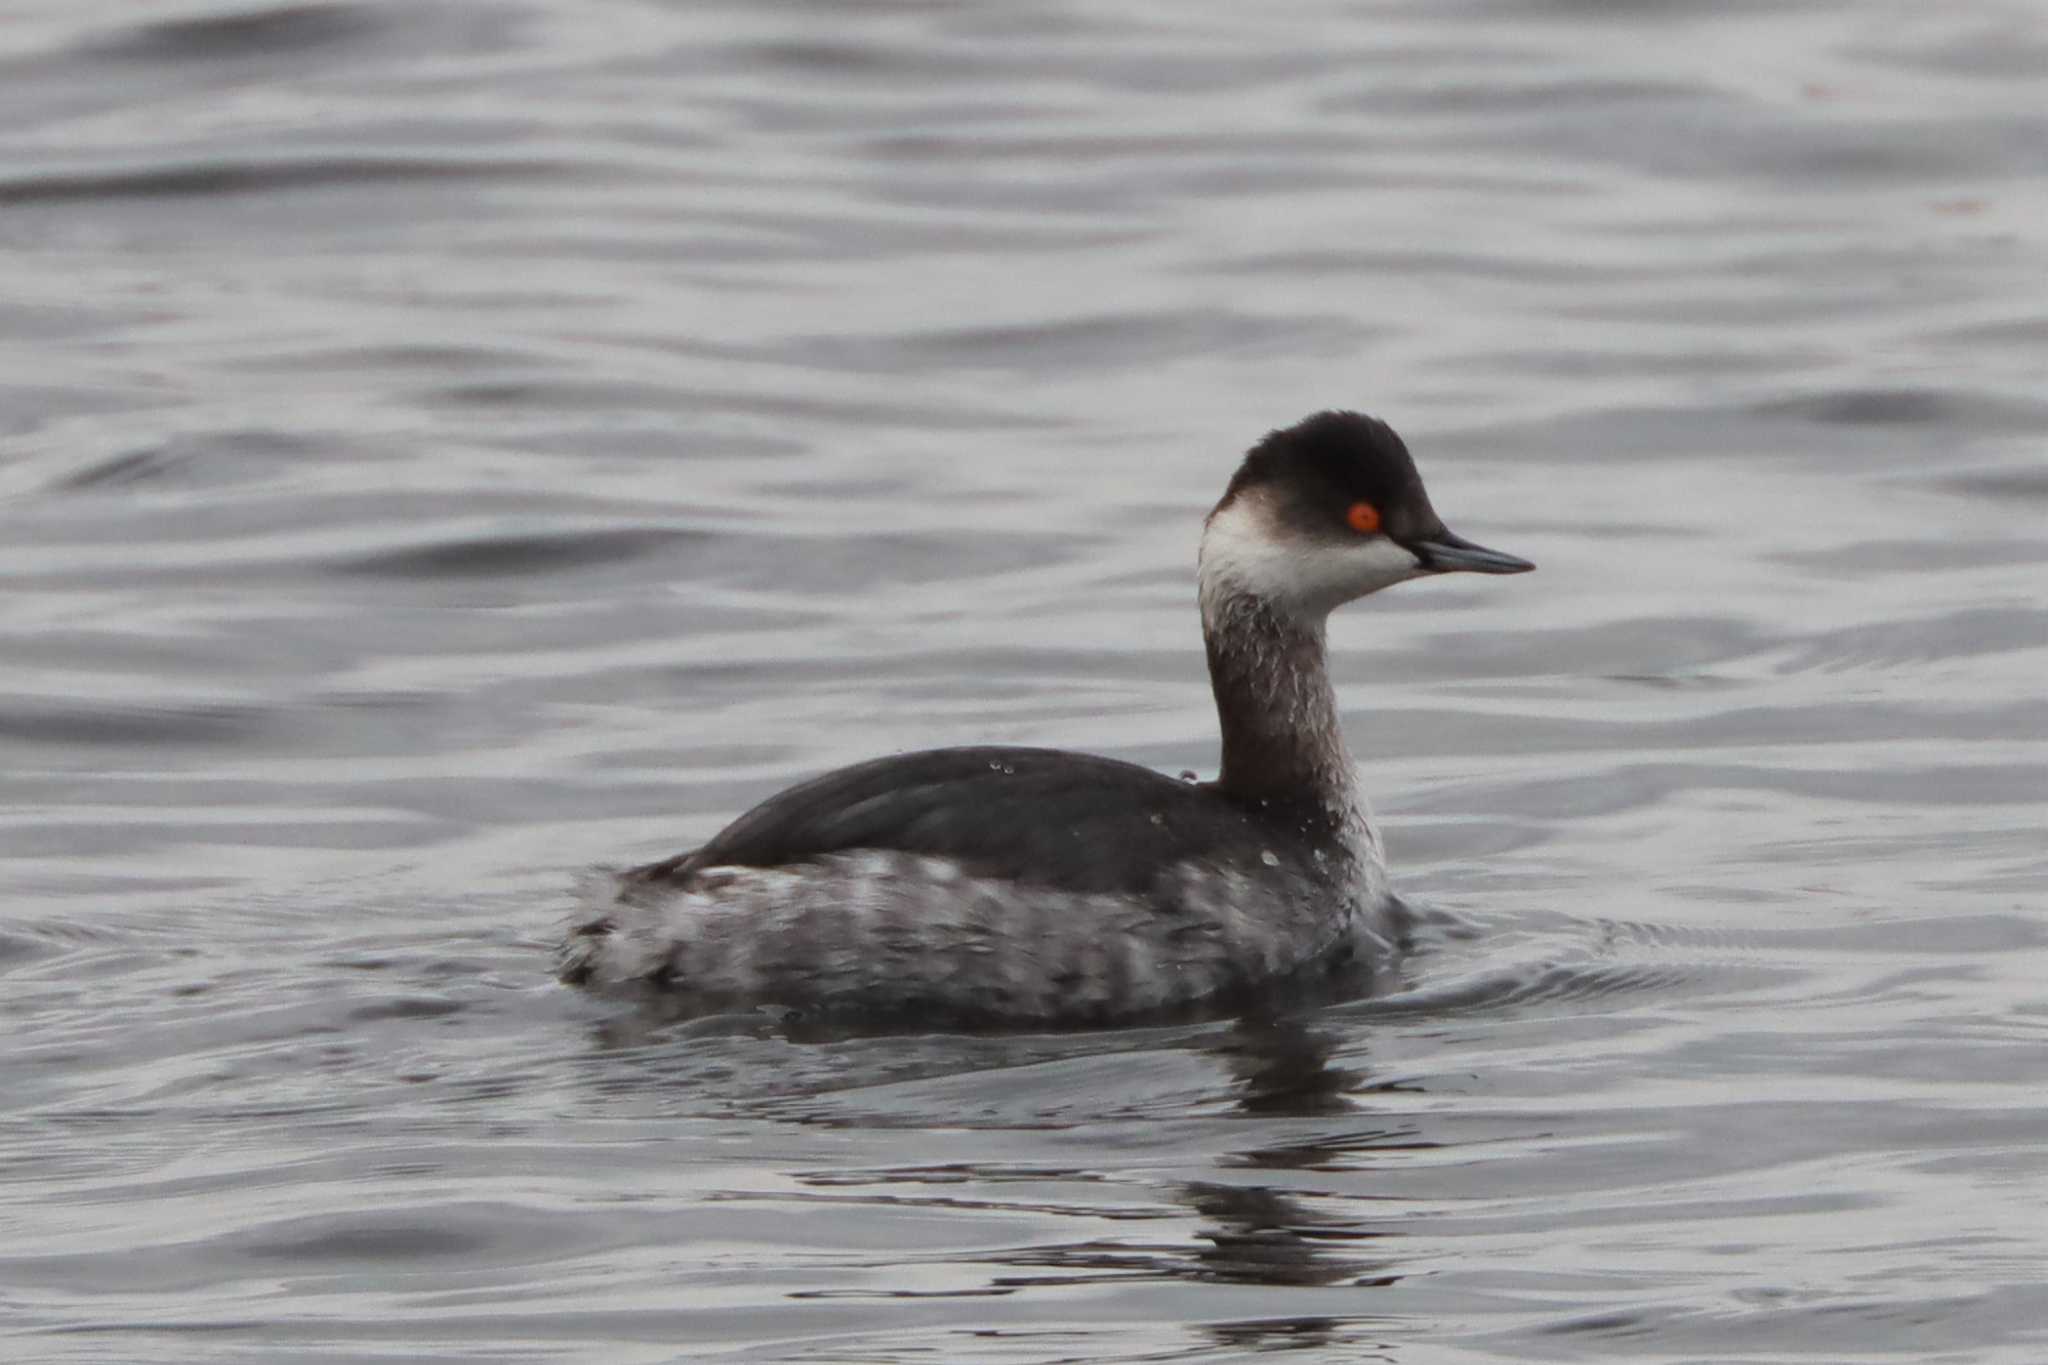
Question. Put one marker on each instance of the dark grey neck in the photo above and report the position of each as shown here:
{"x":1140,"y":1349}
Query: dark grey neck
{"x":1281,"y":740}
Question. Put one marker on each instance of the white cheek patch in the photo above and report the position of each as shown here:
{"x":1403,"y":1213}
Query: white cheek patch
{"x":1244,"y":554}
{"x":1369,"y":564}
{"x":1238,"y":552}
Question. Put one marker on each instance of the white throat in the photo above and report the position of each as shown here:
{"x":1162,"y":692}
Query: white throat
{"x":1247,"y":555}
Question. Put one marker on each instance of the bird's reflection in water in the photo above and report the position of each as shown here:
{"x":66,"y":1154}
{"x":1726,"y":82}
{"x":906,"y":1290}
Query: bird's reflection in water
{"x":1257,"y":1233}
{"x":1247,"y":1235}
{"x":1300,"y":1334}
{"x":1260,"y":1235}
{"x":1283,"y":1068}
{"x":1264,"y":1236}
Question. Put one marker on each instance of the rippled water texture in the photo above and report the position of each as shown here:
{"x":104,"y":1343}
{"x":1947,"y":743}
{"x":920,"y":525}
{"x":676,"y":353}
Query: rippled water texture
{"x":444,"y":446}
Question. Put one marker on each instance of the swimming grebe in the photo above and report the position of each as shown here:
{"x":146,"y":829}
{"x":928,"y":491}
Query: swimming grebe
{"x":1030,"y":887}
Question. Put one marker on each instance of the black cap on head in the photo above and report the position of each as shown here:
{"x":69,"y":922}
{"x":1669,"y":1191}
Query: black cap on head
{"x":1313,"y":475}
{"x":1324,"y":464}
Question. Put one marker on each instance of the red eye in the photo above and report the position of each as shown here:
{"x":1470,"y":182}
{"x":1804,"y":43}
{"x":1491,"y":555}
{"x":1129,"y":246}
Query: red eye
{"x":1363,"y":517}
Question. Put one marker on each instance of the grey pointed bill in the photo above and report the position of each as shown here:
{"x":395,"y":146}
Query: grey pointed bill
{"x":1448,"y":552}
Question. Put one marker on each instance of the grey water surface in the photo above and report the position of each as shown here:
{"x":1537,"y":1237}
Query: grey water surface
{"x":445,"y":446}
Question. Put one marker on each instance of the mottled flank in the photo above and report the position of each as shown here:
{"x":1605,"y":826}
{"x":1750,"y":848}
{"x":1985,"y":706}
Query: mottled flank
{"x":906,"y":937}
